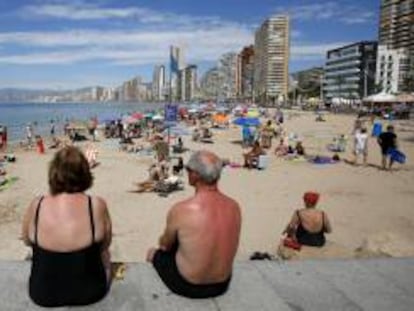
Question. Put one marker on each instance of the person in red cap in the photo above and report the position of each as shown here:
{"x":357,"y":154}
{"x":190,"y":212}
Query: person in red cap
{"x":309,"y":225}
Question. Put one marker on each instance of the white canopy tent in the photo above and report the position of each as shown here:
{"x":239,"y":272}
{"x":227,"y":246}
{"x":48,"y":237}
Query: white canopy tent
{"x":380,"y":98}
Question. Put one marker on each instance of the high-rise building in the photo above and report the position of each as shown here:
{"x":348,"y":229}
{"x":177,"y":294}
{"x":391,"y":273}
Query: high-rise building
{"x":228,"y":69}
{"x":180,"y":86}
{"x":396,"y":29}
{"x":246,"y":72}
{"x":176,"y":65}
{"x":396,"y":40}
{"x":271,"y":60}
{"x":211,"y":83}
{"x":392,"y":69}
{"x":350,"y":71}
{"x":158,"y":83}
{"x":190,"y":82}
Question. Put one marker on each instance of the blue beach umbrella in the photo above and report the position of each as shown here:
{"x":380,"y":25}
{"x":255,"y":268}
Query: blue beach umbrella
{"x":243,"y":121}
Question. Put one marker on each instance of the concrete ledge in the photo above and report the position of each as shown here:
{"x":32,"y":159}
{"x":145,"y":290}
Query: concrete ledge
{"x":379,"y":284}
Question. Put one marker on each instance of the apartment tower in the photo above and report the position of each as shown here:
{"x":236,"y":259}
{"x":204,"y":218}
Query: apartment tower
{"x":246,"y":63}
{"x":177,"y":65}
{"x":158,"y":83}
{"x":271,"y":59}
{"x":395,"y":65}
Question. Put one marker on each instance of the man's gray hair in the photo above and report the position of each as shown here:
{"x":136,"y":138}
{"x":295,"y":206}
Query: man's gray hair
{"x":207,"y":165}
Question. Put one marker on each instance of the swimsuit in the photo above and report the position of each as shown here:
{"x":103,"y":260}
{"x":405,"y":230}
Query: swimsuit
{"x":387,"y":142}
{"x":67,"y":278}
{"x":305,"y":237}
{"x":165,"y":264}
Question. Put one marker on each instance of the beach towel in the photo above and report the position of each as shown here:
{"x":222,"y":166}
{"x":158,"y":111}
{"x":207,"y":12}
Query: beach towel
{"x":320,"y":160}
{"x":397,"y":156}
{"x":235,"y":165}
{"x":7,"y":183}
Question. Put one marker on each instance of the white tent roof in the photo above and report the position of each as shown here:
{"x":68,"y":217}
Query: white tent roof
{"x":381,"y":98}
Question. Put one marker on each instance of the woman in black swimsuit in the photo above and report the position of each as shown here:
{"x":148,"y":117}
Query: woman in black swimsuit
{"x":70,"y":234}
{"x":308,"y":226}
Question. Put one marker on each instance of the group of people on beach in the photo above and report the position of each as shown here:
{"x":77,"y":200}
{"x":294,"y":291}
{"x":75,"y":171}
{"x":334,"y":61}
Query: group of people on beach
{"x":70,"y":234}
{"x":387,"y":141}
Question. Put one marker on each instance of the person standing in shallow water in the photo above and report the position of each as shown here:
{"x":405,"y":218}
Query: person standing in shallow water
{"x":196,"y":251}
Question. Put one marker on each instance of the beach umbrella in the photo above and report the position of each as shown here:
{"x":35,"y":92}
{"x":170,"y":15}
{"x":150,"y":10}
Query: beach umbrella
{"x":137,"y":115}
{"x":220,"y":118}
{"x":149,"y":115}
{"x":193,"y":110}
{"x":222,"y":109}
{"x":157,"y":117}
{"x":130,"y":120}
{"x":253,"y":113}
{"x":244,"y":121}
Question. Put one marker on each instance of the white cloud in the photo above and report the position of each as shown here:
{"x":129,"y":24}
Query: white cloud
{"x":85,"y":11}
{"x":204,"y":38}
{"x":334,"y":11}
{"x":123,"y":46}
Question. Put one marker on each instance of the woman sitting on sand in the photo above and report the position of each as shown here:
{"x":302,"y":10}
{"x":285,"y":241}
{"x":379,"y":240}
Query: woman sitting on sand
{"x":299,"y":149}
{"x":253,"y":155}
{"x":281,"y":150}
{"x":308,"y":225}
{"x":158,"y":171}
{"x":70,"y":234}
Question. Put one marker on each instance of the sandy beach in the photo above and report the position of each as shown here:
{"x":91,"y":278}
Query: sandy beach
{"x":366,"y":206}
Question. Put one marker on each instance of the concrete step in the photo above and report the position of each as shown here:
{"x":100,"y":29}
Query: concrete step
{"x":366,"y":284}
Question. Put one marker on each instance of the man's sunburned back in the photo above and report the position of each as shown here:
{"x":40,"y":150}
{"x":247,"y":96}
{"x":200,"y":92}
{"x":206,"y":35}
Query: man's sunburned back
{"x":208,"y":228}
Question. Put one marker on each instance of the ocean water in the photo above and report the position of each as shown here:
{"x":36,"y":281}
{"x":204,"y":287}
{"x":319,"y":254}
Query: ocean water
{"x":16,"y":116}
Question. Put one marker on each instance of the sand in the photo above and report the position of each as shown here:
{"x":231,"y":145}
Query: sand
{"x":370,"y":210}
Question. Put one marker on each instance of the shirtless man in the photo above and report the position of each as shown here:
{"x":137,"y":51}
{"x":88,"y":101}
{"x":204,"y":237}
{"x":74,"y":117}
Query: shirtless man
{"x":197,"y":249}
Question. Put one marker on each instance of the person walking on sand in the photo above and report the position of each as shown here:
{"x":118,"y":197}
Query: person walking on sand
{"x":361,"y":145}
{"x":29,"y":134}
{"x":196,"y":251}
{"x":387,"y":141}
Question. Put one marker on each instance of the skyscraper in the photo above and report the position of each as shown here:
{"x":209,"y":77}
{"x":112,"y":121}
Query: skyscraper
{"x":246,"y":63}
{"x":211,"y":83}
{"x":176,"y":65}
{"x":190,"y":82}
{"x":158,"y":83}
{"x":396,"y":40}
{"x":228,"y":70}
{"x":271,"y":60}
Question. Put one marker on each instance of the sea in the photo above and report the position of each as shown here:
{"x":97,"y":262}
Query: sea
{"x":16,"y":116}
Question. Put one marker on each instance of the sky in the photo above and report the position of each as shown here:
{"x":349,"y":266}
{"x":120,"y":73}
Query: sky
{"x":56,"y":44}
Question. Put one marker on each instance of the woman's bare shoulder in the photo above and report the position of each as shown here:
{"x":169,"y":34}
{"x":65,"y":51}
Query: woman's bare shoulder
{"x":99,"y":205}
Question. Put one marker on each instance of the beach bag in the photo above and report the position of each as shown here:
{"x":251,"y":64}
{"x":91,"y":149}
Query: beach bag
{"x":291,"y":243}
{"x":376,"y":129}
{"x":397,"y":156}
